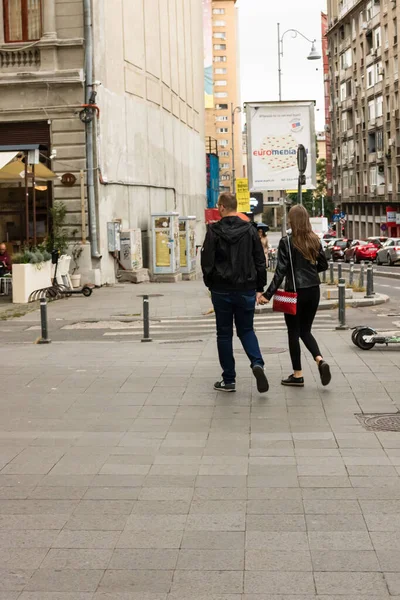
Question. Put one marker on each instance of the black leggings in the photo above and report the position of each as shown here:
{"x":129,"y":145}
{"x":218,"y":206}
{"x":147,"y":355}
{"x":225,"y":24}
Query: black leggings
{"x":299,"y":325}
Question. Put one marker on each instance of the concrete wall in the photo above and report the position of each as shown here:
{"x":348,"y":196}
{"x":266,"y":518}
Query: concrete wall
{"x":151,"y":129}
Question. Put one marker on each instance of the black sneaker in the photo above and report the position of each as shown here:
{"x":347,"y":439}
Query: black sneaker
{"x":221,"y":386}
{"x":324,"y":372}
{"x":262,"y":381}
{"x":293,"y":381}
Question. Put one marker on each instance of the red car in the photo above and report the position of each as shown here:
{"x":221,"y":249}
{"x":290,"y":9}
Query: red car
{"x":360,"y":250}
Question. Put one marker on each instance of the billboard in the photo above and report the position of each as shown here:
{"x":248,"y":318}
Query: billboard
{"x":274,"y":131}
{"x":208,"y":54}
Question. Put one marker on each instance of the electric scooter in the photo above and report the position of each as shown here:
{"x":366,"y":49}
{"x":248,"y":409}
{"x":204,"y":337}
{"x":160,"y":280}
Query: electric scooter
{"x":365,"y":337}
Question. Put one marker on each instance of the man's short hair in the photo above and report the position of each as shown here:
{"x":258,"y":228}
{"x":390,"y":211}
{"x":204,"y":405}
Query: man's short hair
{"x":228,"y":201}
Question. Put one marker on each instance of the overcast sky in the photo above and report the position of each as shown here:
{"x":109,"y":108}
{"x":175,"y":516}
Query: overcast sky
{"x":259,"y":51}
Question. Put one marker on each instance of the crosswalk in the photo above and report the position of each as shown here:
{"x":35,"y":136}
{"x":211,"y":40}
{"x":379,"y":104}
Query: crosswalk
{"x":204,"y":326}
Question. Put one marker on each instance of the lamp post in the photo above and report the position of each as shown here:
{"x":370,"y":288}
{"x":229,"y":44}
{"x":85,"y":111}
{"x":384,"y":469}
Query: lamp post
{"x":235,"y":110}
{"x":314,"y":54}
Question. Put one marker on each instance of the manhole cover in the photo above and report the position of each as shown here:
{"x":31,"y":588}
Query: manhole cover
{"x":265,"y":351}
{"x":380,"y":422}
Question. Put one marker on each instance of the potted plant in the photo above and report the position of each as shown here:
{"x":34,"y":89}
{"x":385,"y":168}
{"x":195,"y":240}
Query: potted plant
{"x":31,"y":271}
{"x":76,"y":254}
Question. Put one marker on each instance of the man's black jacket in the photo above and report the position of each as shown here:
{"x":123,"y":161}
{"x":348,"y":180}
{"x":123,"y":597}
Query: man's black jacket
{"x":232,"y":257}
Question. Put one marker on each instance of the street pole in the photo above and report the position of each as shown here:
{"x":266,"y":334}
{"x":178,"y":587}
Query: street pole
{"x":323,"y":205}
{"x":279,"y":62}
{"x":233,"y":151}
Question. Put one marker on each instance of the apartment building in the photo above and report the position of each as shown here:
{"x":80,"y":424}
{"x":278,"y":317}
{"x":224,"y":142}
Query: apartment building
{"x":139,"y":142}
{"x":225,"y":114}
{"x":364,"y":105}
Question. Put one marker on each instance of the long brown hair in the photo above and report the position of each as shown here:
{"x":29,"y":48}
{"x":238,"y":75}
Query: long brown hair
{"x":303,"y":237}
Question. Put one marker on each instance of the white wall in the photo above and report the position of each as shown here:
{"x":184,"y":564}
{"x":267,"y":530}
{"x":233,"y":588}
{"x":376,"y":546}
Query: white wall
{"x":152,"y":112}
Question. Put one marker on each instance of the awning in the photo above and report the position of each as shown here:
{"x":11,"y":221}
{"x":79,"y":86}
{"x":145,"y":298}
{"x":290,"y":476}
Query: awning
{"x":6,"y":157}
{"x":15,"y":171}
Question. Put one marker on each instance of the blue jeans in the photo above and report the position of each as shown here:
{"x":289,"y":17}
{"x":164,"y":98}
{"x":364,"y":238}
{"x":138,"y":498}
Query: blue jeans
{"x":238,"y":307}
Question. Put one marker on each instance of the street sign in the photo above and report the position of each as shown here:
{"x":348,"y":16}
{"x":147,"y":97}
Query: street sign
{"x":301,"y":159}
{"x":243,"y":195}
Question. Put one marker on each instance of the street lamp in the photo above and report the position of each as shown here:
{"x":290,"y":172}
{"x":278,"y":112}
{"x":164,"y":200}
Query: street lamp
{"x":235,"y":110}
{"x":314,"y":54}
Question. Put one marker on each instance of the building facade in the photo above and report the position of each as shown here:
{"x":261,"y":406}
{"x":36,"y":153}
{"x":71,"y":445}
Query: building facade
{"x":223,"y":121}
{"x":146,"y":97}
{"x":364,"y":105}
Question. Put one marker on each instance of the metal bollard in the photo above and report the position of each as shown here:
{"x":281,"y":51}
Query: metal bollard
{"x":342,"y":304}
{"x":361,"y":279}
{"x":351,"y":273}
{"x":146,"y":320}
{"x":339,"y":269}
{"x":369,"y":293}
{"x":331,"y":273}
{"x":372,"y":280}
{"x":43,"y":322}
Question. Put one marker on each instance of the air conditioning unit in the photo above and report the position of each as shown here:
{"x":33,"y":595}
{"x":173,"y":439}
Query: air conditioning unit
{"x":391,"y":142}
{"x":381,"y":72}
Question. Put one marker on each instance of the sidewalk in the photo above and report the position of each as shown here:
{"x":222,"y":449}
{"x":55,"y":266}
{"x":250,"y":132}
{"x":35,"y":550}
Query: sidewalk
{"x":182,"y":299}
{"x":124,"y":476}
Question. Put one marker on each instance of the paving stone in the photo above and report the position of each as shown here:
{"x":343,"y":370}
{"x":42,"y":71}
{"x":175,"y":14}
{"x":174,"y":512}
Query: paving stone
{"x":385,"y":540}
{"x":344,"y":560}
{"x":382,"y":522}
{"x":86,"y":539}
{"x":98,"y":521}
{"x":161,"y":507}
{"x":146,"y":581}
{"x":142,"y":559}
{"x":22,"y":558}
{"x":77,"y":559}
{"x":112,"y":493}
{"x":350,"y":583}
{"x":324,"y":507}
{"x":276,"y":560}
{"x":11,"y":538}
{"x":274,"y":507}
{"x":66,"y":580}
{"x":262,"y":582}
{"x":275,"y":523}
{"x":55,"y":596}
{"x":211,"y":560}
{"x":339,"y":540}
{"x":209,"y":582}
{"x":329,"y":522}
{"x":393,"y":583}
{"x":14,"y":580}
{"x":389,"y":560}
{"x":32,"y":521}
{"x":280,"y":542}
{"x":156,"y":523}
{"x":146,"y":539}
{"x":221,"y":540}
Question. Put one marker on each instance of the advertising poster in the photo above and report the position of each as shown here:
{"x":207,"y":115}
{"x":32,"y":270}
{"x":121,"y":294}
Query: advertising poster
{"x":243,"y":195}
{"x":208,"y":54}
{"x":275,"y":130}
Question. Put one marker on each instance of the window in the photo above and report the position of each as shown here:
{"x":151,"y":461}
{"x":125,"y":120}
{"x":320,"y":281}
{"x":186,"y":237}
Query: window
{"x":353,"y":28}
{"x":220,"y":71}
{"x":221,"y":82}
{"x":225,"y":177}
{"x":218,"y":11}
{"x":370,"y":77}
{"x":219,"y":23}
{"x":394,"y":31}
{"x":223,"y":118}
{"x":379,"y":140}
{"x":222,"y":130}
{"x":221,"y":106}
{"x":371,"y":110}
{"x":379,"y":106}
{"x":225,"y":166}
{"x":377,"y":38}
{"x":386,"y":36}
{"x":219,"y":46}
{"x":378,"y":72}
{"x":344,"y":121}
{"x":372,"y":176}
{"x":343,"y":92}
{"x":221,"y":94}
{"x":22,"y":20}
{"x":219,"y":58}
{"x":224,"y":153}
{"x":223,"y":142}
{"x":220,"y":35}
{"x":396,"y":66}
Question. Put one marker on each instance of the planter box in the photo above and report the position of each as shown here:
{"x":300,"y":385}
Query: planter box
{"x":29,"y":278}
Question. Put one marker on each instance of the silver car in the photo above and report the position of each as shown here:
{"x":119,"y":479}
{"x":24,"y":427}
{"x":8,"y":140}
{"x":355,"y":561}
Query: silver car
{"x":389,"y":253}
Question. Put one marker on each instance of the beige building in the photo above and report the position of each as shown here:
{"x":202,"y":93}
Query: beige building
{"x":143,"y":150}
{"x":226,"y":92}
{"x":364,"y":104}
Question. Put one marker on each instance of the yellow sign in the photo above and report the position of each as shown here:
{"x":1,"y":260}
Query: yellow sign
{"x":243,"y":195}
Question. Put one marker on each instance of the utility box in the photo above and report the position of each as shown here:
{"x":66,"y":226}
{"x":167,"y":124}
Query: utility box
{"x":131,"y":255}
{"x":187,"y":246}
{"x":165,"y":246}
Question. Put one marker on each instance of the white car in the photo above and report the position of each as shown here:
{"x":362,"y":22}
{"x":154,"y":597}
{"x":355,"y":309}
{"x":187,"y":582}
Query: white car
{"x":389,"y":253}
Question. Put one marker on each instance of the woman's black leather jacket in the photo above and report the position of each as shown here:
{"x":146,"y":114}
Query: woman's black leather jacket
{"x":305,"y":272}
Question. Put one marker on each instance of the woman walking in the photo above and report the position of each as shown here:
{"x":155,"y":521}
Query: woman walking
{"x":300,"y":256}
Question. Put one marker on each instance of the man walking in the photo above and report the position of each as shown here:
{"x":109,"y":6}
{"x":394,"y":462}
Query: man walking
{"x":234,"y":270}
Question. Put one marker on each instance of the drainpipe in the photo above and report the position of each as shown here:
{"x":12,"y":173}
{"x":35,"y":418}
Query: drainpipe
{"x":87,"y":7}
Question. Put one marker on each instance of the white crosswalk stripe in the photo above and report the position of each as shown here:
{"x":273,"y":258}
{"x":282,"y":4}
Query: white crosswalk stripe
{"x":183,"y":327}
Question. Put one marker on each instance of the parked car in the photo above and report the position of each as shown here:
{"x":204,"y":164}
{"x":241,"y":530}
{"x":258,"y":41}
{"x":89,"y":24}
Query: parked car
{"x":389,"y":253}
{"x":378,"y":241}
{"x":360,"y":250}
{"x":335,"y":249}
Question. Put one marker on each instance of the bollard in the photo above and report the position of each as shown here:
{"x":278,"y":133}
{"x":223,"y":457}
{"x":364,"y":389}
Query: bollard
{"x":339,"y":270}
{"x":342,"y":304}
{"x":372,"y":280}
{"x":351,"y":273}
{"x":331,"y":273}
{"x":361,"y":280}
{"x":146,"y":320}
{"x":369,"y":293}
{"x":43,"y":322}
